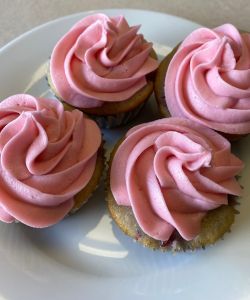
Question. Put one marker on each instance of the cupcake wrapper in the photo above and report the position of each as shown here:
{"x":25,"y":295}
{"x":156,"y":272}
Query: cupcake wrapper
{"x":117,"y":120}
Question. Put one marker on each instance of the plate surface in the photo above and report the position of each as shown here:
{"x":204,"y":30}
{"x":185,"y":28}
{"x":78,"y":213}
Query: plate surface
{"x":86,"y":256}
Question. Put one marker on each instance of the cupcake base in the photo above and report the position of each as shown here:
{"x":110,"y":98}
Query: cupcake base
{"x":160,"y":83}
{"x":83,"y":196}
{"x":214,"y":225}
{"x":113,"y":114}
{"x":117,"y":120}
{"x":232,"y":137}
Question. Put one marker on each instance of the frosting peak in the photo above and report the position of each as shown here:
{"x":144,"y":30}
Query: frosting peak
{"x":171,"y":172}
{"x":47,"y":156}
{"x":208,"y":79}
{"x":99,"y":60}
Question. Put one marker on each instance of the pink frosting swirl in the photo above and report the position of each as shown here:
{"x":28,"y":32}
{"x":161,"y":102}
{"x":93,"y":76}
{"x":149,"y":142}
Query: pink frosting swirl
{"x":171,"y":172}
{"x":47,"y":156}
{"x":208,"y":79}
{"x":99,"y":60}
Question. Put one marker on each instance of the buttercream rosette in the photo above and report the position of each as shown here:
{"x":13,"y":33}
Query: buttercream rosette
{"x":100,"y":64}
{"x":171,"y":173}
{"x":208,"y":79}
{"x":48,"y":156}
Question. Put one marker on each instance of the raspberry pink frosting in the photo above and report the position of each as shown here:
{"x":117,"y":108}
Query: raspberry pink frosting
{"x":208,"y":79}
{"x":100,"y":59}
{"x":47,"y":156}
{"x":171,"y":172}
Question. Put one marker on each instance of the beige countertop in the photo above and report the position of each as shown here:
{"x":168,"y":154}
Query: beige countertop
{"x":18,"y":16}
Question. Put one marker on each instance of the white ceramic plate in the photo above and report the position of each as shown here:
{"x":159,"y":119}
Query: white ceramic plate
{"x":86,"y":256}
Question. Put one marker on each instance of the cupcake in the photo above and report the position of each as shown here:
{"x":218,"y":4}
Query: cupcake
{"x":51,"y":160}
{"x":207,"y":79}
{"x":103,"y":67}
{"x":170,"y":182}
